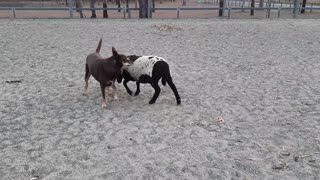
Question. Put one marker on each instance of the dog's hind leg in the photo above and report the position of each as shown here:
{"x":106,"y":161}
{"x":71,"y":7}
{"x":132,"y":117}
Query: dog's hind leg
{"x":103,"y":91}
{"x":86,"y":79}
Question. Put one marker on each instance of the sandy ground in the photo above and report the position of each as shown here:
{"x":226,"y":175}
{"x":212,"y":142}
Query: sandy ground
{"x":250,"y":101}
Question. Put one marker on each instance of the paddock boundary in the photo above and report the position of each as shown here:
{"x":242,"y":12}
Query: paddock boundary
{"x":178,"y":10}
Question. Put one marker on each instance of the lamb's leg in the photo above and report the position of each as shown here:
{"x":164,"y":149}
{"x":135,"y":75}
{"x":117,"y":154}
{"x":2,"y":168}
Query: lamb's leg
{"x":126,"y":86}
{"x":114,"y":92}
{"x":138,"y":89}
{"x":156,"y":92}
{"x":174,"y":89}
{"x":86,"y":78}
{"x":103,"y":91}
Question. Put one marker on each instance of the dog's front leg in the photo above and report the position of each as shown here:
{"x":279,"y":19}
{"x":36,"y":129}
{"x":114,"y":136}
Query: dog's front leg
{"x":86,"y":79}
{"x":103,"y":88}
{"x":114,"y":91}
{"x":86,"y":88}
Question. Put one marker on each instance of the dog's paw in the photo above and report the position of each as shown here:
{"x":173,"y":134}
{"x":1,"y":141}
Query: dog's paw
{"x":104,"y":105}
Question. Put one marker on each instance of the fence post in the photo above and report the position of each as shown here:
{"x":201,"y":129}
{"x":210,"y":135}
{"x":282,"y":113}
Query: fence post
{"x":221,"y":7}
{"x":70,"y":8}
{"x":300,"y":6}
{"x":124,"y":12}
{"x":311,"y":7}
{"x":273,"y":3}
{"x":149,"y":8}
{"x":224,"y":7}
{"x":14,"y":12}
{"x":129,"y":14}
{"x":243,"y":4}
{"x":279,"y":9}
{"x":229,"y":12}
{"x":178,"y":12}
{"x":295,"y":8}
{"x":269,"y":8}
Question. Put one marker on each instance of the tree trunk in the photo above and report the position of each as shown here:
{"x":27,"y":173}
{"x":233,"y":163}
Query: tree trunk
{"x":252,"y":10}
{"x":80,"y":5}
{"x":149,"y":6}
{"x":127,"y":5}
{"x":184,"y":2}
{"x":221,"y":6}
{"x":143,"y":5}
{"x":243,"y":3}
{"x":261,"y":3}
{"x":105,"y":12}
{"x":119,"y":4}
{"x":77,"y":6}
{"x":295,"y":5}
{"x":304,"y":2}
{"x":93,"y":12}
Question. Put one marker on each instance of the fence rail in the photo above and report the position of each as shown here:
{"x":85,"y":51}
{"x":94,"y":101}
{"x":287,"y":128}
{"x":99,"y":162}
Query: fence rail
{"x":178,"y":9}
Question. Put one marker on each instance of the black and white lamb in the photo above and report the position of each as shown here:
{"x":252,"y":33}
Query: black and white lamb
{"x":148,"y":69}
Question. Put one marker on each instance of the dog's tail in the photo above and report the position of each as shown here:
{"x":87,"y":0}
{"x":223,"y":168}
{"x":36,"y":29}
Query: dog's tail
{"x":99,"y":46}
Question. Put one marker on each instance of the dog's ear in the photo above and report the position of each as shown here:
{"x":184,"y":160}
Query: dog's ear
{"x":119,"y":78}
{"x":114,"y":52}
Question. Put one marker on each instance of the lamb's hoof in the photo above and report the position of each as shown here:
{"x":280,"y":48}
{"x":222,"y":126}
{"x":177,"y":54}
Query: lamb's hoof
{"x":136,"y":94}
{"x":130,"y":93}
{"x":178,"y":102}
{"x":152,"y":102}
{"x":94,"y":16}
{"x":104,"y":106}
{"x":85,"y":94}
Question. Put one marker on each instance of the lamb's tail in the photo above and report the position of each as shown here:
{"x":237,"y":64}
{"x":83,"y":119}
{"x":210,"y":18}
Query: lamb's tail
{"x":99,"y":46}
{"x":164,"y":80}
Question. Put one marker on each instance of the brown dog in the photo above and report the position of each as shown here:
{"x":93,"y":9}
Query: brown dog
{"x":104,"y":70}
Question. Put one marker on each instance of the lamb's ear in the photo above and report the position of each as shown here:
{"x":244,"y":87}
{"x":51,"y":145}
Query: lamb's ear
{"x":114,"y":52}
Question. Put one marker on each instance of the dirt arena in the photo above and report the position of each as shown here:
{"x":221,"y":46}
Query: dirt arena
{"x":250,"y":101}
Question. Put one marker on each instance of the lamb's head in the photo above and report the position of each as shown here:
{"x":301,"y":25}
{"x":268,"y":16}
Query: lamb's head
{"x":120,"y":57}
